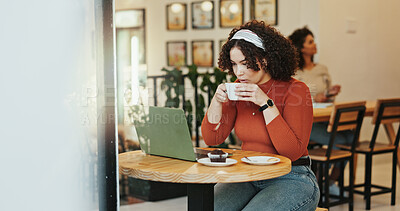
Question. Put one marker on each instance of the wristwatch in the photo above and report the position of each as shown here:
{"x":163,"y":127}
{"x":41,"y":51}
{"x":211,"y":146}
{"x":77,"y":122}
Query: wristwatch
{"x":269,"y":103}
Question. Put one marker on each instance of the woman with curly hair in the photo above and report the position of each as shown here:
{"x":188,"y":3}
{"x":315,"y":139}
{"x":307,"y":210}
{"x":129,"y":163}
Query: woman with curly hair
{"x":273,"y":114}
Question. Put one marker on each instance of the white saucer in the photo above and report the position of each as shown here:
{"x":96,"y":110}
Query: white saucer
{"x":261,"y":160}
{"x":207,"y":162}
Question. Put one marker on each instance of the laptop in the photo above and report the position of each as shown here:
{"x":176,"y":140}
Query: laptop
{"x":164,"y":132}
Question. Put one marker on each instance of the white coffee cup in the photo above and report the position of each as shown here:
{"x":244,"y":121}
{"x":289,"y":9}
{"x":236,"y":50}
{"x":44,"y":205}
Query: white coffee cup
{"x":230,"y":90}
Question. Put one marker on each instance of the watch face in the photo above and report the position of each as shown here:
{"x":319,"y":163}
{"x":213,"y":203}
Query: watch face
{"x":270,"y":102}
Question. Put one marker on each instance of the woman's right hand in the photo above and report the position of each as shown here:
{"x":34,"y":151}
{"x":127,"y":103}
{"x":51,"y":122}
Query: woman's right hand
{"x":220,"y":94}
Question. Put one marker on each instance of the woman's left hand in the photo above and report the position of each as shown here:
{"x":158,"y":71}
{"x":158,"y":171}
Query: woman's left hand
{"x":252,"y":93}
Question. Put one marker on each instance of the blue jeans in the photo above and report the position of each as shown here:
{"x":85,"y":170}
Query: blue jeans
{"x":321,"y":136}
{"x":297,"y":190}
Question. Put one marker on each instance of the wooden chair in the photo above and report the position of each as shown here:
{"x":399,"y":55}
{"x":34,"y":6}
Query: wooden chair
{"x":386,"y":111}
{"x":345,"y":116}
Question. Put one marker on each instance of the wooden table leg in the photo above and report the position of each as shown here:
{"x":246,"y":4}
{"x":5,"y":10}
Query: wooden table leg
{"x":200,"y":197}
{"x":392,"y":136}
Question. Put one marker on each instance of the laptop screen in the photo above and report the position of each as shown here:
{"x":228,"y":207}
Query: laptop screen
{"x":163,"y":131}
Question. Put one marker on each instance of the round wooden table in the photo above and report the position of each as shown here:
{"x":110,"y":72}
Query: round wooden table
{"x":200,"y":178}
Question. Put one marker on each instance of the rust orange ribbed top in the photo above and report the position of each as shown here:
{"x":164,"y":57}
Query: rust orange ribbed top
{"x":288,"y":134}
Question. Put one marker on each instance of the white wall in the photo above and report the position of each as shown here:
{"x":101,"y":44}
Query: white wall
{"x":366,"y":62}
{"x":292,"y":14}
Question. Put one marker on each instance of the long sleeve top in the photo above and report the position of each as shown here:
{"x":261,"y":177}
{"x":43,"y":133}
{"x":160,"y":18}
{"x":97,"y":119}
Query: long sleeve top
{"x":317,"y":79}
{"x":288,"y":134}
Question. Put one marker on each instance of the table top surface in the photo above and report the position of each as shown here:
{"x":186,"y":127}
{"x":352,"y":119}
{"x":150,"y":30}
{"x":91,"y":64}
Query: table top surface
{"x":156,"y":168}
{"x":323,"y":114}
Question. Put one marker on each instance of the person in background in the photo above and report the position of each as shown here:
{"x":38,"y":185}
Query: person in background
{"x":315,"y":75}
{"x":273,"y":114}
{"x":317,"y":78}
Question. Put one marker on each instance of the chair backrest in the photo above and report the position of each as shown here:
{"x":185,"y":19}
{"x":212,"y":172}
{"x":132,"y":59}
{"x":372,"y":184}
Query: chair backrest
{"x":387,"y":111}
{"x":346,"y":116}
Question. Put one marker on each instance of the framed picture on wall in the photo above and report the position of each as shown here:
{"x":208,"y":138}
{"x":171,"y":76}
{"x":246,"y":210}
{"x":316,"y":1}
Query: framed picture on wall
{"x":203,"y":53}
{"x":221,"y":43}
{"x":176,"y":53}
{"x":264,"y":10}
{"x":176,"y":16}
{"x":230,"y":13}
{"x":203,"y":15}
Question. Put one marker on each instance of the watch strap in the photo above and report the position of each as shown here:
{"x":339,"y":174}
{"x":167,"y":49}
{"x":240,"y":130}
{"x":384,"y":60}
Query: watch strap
{"x":262,"y":108}
{"x":269,"y":103}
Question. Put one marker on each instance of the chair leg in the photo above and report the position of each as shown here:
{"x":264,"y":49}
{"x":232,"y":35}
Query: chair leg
{"x":351,"y":185}
{"x":326,"y":175}
{"x":368,"y":178}
{"x":355,"y":159}
{"x":365,"y":177}
{"x":394,"y":174}
{"x":341,"y":179}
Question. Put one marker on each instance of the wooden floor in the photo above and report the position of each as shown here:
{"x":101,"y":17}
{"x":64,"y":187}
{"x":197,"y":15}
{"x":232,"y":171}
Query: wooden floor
{"x":381,"y":174}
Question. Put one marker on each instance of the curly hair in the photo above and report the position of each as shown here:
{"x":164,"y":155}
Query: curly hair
{"x":298,"y":37}
{"x":280,"y":55}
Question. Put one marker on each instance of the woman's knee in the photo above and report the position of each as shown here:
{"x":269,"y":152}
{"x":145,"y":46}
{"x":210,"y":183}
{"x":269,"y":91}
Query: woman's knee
{"x":232,"y":196}
{"x":297,"y":191}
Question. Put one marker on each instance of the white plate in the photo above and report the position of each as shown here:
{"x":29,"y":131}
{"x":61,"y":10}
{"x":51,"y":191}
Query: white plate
{"x":207,"y":162}
{"x":261,"y":160}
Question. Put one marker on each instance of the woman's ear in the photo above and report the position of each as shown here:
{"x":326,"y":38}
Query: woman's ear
{"x":265,"y":61}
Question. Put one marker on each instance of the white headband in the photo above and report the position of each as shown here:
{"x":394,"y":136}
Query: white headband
{"x":249,"y":36}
